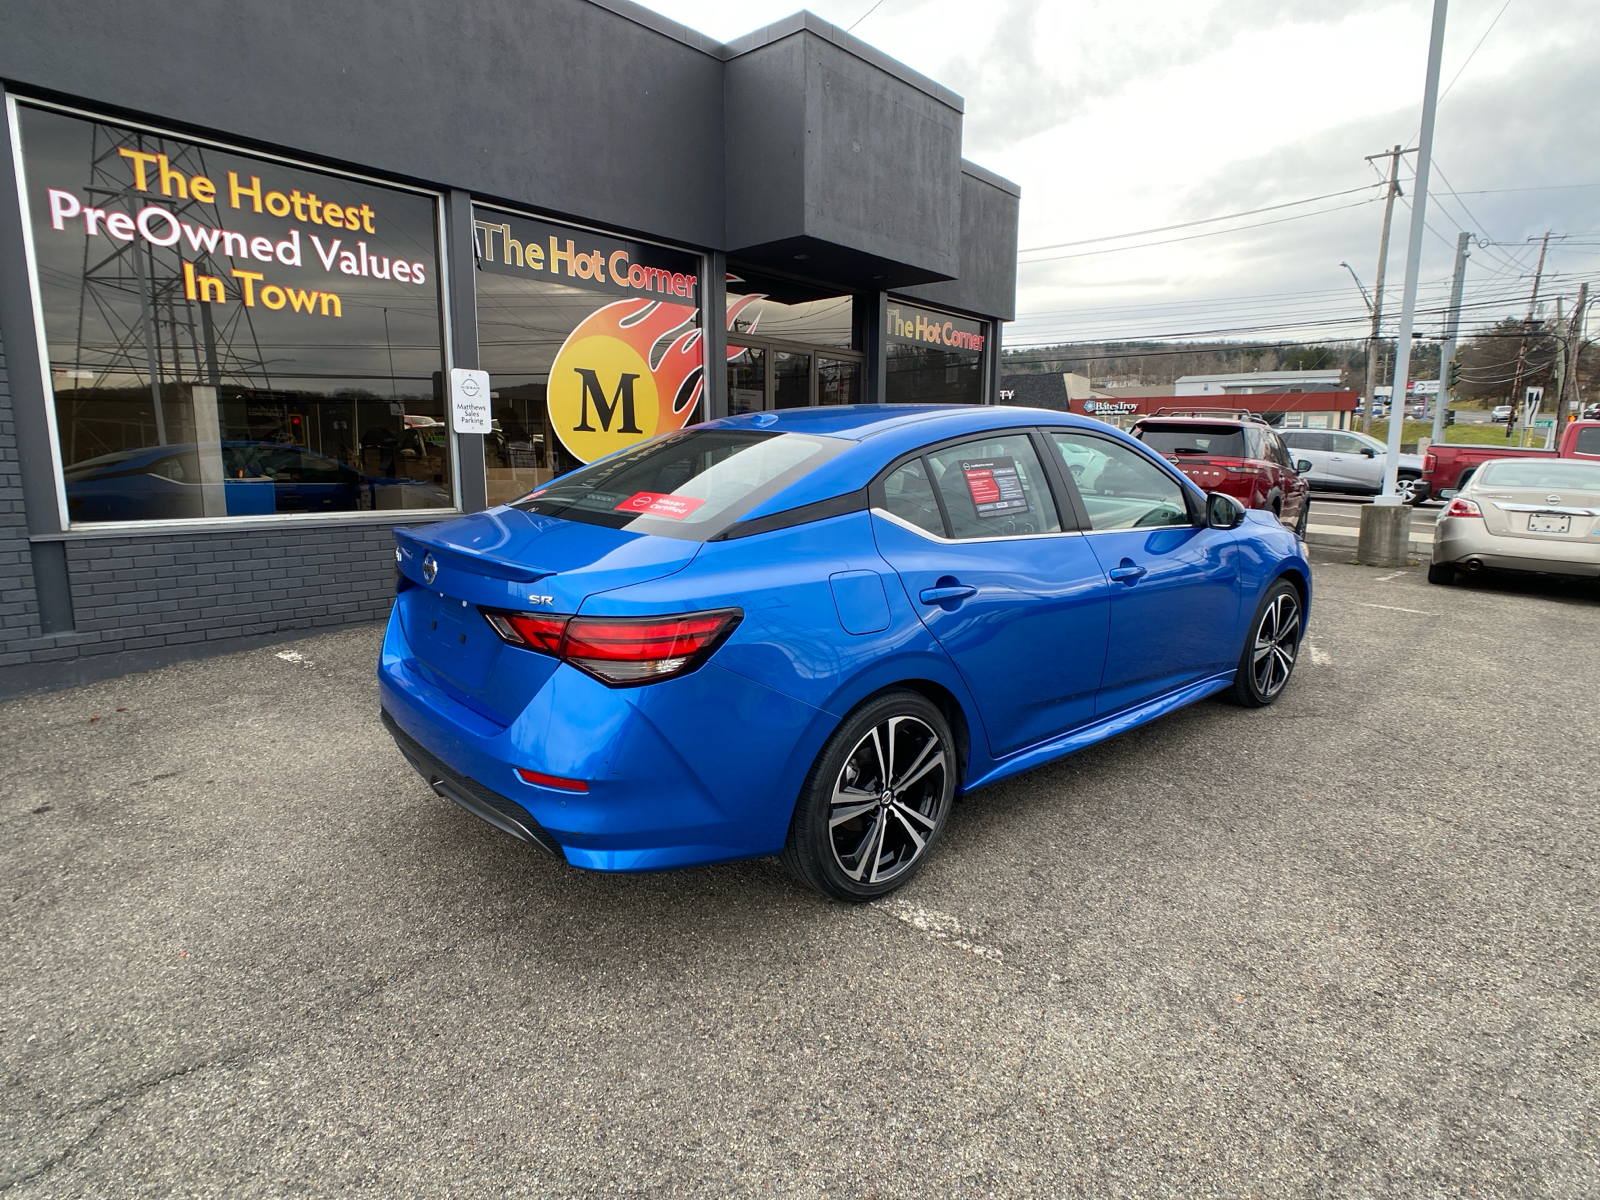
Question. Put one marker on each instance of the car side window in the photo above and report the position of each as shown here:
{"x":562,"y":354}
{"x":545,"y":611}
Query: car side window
{"x":1343,"y":443}
{"x":994,"y":487}
{"x":908,"y":495}
{"x":1126,"y":490}
{"x":1309,"y":441}
{"x":1276,"y":451}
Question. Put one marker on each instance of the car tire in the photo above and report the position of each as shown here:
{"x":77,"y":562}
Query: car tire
{"x":1405,"y":487}
{"x":1304,"y":522}
{"x":1443,"y":574}
{"x":1271,"y":647}
{"x":852,"y":838}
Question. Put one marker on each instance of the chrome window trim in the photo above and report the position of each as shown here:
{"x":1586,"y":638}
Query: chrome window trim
{"x":944,"y":541}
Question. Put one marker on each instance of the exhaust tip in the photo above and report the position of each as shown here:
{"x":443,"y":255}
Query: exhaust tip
{"x":1473,"y":564}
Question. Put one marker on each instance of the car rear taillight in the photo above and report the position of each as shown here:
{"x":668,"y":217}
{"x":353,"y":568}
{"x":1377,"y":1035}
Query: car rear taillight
{"x":621,"y":651}
{"x":1430,"y":461}
{"x":531,"y":631}
{"x":1463,"y":508}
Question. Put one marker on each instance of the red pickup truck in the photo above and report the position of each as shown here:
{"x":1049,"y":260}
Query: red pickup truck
{"x":1446,"y":468}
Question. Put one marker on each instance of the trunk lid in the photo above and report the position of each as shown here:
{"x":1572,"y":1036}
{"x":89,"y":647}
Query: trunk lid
{"x":1216,"y":473}
{"x":506,"y":558}
{"x":1550,"y":514}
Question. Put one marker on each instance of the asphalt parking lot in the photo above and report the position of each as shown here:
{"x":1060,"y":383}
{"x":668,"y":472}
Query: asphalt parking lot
{"x":1343,"y":946}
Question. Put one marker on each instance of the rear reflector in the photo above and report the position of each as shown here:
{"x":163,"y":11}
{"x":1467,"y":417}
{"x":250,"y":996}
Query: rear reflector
{"x":1463,"y":508}
{"x":620,"y":651}
{"x":553,"y":781}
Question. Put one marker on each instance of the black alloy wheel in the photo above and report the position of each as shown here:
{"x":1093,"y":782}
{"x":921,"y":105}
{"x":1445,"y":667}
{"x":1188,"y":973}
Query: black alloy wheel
{"x":1271,"y":649}
{"x":876,"y":799}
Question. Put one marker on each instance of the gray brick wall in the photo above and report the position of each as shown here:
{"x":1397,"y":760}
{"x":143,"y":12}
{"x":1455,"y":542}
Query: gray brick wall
{"x":140,"y":601}
{"x":19,"y":611}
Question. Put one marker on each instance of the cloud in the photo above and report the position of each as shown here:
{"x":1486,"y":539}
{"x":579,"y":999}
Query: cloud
{"x":1144,"y":113}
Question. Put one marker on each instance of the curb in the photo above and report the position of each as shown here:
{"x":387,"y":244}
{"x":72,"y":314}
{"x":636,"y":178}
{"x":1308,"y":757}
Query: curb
{"x":1349,"y":541}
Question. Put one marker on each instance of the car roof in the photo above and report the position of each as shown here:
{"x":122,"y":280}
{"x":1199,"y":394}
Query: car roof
{"x":858,"y":422}
{"x":883,"y":432}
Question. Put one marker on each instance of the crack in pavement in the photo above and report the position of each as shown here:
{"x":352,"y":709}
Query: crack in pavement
{"x":115,"y":1102}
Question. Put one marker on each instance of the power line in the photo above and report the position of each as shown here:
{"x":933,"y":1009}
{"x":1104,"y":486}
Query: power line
{"x":1117,"y":237}
{"x":1475,"y":49}
{"x":1195,"y":236}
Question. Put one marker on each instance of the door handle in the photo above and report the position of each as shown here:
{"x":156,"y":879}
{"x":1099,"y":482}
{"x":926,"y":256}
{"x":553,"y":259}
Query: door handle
{"x":938,"y":595}
{"x":1127,"y":572}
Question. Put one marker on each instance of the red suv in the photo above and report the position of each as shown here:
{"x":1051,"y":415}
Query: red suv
{"x":1233,"y":452}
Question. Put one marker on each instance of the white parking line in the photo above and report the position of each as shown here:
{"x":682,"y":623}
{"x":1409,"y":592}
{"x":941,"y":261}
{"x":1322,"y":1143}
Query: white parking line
{"x":940,"y":926}
{"x":1319,"y":658}
{"x":1397,"y":608}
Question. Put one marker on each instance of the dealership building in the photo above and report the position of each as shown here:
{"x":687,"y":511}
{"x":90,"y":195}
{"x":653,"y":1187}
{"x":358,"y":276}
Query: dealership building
{"x":250,"y":257}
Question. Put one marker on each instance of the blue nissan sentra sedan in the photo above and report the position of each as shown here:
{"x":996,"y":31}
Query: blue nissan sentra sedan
{"x":806,"y":632}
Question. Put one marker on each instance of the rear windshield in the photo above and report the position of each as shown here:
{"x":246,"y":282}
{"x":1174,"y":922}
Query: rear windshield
{"x":1226,"y":441}
{"x":1570,"y":475}
{"x":692,"y":484}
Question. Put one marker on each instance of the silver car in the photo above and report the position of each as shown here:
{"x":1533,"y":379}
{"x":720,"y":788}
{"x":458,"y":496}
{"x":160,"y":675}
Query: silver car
{"x":1345,"y":461}
{"x":1522,"y":514}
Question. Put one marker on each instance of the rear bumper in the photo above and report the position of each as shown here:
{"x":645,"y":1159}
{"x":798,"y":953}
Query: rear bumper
{"x":696,"y":770}
{"x":1459,"y":540}
{"x":500,"y":811}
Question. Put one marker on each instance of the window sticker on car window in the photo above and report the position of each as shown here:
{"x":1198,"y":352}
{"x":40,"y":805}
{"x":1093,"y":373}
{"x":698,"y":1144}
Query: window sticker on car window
{"x":995,"y":486}
{"x":659,"y":504}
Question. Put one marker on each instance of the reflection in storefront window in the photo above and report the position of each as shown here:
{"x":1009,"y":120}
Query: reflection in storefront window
{"x":933,"y":357}
{"x":231,"y":336}
{"x":591,"y":343}
{"x":825,"y":322}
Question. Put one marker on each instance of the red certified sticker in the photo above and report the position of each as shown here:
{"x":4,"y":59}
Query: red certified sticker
{"x":660,"y":504}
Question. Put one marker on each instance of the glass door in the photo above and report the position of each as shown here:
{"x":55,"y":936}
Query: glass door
{"x":839,"y":381}
{"x":767,"y":375}
{"x":747,"y":381}
{"x":791,"y":379}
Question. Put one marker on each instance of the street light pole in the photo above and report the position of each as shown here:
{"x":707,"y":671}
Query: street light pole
{"x":1385,"y":538}
{"x":1408,"y":302}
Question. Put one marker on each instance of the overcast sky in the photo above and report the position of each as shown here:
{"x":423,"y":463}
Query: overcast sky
{"x":1132,"y":115}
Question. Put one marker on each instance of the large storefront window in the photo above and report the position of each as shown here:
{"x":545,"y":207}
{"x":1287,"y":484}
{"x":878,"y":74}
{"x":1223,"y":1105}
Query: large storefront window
{"x":592,"y":343}
{"x":933,"y":357}
{"x":229,"y":335}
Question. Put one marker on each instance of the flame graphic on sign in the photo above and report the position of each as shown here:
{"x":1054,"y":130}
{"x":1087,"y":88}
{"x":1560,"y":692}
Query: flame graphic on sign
{"x":660,"y":333}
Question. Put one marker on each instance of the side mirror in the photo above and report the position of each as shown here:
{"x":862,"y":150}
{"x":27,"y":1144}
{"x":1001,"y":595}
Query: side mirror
{"x":1369,"y":452}
{"x":1303,"y":465}
{"x":1223,"y":511}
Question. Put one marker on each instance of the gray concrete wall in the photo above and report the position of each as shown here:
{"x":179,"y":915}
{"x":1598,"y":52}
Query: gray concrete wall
{"x":986,"y":276}
{"x":555,"y":103}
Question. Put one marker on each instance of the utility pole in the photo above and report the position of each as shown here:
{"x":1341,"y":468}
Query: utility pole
{"x":1385,"y":538}
{"x":1571,"y":347}
{"x":1522,"y":348}
{"x":1377,"y":288}
{"x":1447,"y":352}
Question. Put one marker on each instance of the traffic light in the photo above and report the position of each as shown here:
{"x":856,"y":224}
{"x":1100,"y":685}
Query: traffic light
{"x":1449,"y":416}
